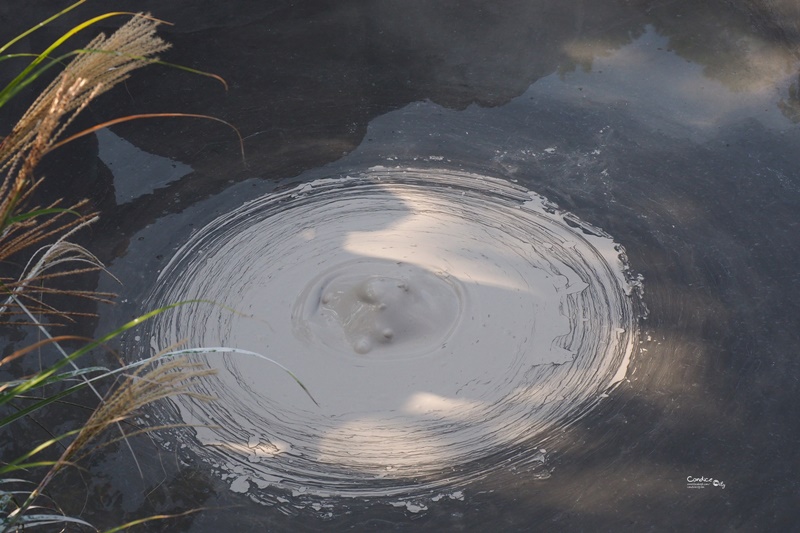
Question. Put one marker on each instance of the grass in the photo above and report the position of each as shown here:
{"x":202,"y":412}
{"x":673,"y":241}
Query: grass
{"x":35,"y":244}
{"x":37,"y":132}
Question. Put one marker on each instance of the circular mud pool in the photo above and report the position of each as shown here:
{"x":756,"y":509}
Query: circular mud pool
{"x":442,"y":321}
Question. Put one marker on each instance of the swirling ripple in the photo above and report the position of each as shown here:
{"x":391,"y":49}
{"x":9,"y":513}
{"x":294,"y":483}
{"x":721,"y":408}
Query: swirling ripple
{"x":444,"y":321}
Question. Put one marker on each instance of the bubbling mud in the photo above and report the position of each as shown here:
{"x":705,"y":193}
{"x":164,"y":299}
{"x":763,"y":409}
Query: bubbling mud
{"x":386,"y":308}
{"x":444,"y":321}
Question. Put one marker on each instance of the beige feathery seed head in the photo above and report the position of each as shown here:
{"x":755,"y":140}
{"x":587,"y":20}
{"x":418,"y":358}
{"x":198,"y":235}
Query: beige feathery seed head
{"x":144,"y":386}
{"x":139,"y":389}
{"x":105,"y":62}
{"x":97,"y":68}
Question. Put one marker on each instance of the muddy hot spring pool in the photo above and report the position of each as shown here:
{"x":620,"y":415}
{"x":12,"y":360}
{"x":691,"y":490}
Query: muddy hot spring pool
{"x":444,"y":322}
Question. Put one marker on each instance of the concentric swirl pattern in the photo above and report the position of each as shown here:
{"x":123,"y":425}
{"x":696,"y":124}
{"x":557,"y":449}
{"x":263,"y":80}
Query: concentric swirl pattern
{"x":442,"y":320}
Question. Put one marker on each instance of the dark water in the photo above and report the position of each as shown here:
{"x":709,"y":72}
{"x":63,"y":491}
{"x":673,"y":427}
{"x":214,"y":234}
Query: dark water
{"x":670,"y":125}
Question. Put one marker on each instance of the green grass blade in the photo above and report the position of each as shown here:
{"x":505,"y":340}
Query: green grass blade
{"x":36,"y":380}
{"x":19,"y":463}
{"x":22,"y":76}
{"x":58,"y":378}
{"x":150,"y":519}
{"x":40,"y":25}
{"x":35,"y":464}
{"x":154,"y":62}
{"x":14,"y":56}
{"x":7,"y":94}
{"x":36,"y":520}
{"x":6,"y":420}
{"x":193,"y":71}
{"x":38,"y":213}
